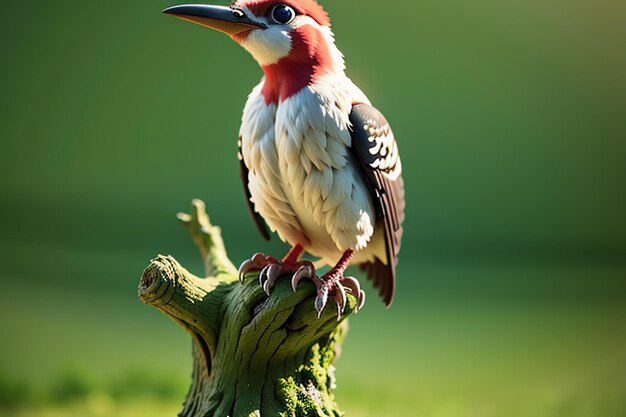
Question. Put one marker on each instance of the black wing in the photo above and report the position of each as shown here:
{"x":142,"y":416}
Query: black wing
{"x":258,"y":220}
{"x":374,"y":146}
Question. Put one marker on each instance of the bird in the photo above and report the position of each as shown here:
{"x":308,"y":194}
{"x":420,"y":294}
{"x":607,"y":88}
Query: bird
{"x":319,"y":164}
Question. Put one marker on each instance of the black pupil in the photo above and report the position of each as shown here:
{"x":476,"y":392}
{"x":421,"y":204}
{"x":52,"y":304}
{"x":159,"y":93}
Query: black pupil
{"x":282,"y":13}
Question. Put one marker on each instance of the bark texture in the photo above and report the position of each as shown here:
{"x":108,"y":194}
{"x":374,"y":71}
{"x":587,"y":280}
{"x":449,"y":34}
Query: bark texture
{"x":253,"y":355}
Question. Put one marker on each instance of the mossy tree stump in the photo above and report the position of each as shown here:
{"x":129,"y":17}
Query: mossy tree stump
{"x":253,"y":355}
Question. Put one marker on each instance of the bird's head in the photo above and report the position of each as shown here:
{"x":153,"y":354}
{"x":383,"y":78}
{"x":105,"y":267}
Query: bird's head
{"x":290,"y":39}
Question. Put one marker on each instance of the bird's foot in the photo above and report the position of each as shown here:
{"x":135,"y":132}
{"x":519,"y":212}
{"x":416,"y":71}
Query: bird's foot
{"x":258,"y":261}
{"x":270,"y":268}
{"x":270,"y":273}
{"x":331,"y":284}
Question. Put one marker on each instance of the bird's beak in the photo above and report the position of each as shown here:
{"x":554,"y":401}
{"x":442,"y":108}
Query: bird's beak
{"x":229,"y":20}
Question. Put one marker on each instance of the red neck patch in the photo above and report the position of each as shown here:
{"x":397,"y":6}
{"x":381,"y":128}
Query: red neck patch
{"x":309,"y":58}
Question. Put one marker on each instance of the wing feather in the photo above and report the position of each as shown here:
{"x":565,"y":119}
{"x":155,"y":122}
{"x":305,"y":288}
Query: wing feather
{"x":258,"y":220}
{"x":375,"y":148}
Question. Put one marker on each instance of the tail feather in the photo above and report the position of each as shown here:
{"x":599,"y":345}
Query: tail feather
{"x":383,"y":277}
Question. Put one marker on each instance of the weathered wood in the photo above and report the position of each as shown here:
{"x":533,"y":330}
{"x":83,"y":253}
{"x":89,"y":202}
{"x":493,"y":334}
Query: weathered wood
{"x":253,"y":355}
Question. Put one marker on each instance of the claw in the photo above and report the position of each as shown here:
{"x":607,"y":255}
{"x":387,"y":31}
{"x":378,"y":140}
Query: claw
{"x":266,"y":287}
{"x":361,"y":300}
{"x":321,"y":300}
{"x":257,"y":261}
{"x":244,"y":268}
{"x":272,"y":273}
{"x":305,"y":271}
{"x":353,"y":285}
{"x":263,"y":275}
{"x":340,"y":298}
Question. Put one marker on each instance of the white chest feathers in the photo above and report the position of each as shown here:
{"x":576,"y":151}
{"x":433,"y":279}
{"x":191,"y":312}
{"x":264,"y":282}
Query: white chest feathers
{"x":302,"y":176}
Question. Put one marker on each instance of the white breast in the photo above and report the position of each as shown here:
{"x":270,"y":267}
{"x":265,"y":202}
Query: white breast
{"x":301,"y":176}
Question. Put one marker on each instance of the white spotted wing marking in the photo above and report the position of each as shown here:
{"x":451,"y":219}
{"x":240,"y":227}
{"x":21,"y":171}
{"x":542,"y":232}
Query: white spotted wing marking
{"x":375,"y":147}
{"x":384,"y":148}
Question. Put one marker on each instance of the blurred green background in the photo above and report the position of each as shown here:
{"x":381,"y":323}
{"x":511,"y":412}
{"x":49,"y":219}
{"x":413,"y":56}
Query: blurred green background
{"x":511,"y":120}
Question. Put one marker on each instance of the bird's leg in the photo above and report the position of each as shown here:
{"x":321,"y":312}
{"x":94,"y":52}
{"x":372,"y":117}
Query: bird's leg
{"x":291,"y":258}
{"x":333,"y":283}
{"x":289,"y":264}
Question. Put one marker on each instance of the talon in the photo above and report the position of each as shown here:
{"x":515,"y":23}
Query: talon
{"x":258,"y":261}
{"x":352,"y":284}
{"x":361,"y":299}
{"x":243,"y":268}
{"x":305,"y":271}
{"x":321,"y":300}
{"x":263,"y":275}
{"x":340,"y":298}
{"x":266,"y":287}
{"x":272,"y":273}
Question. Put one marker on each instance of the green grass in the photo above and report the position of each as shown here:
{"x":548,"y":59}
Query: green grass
{"x":482,"y":361}
{"x":440,"y":361}
{"x":98,"y":404}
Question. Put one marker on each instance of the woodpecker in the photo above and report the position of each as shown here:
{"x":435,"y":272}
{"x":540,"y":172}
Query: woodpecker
{"x":319,"y":164}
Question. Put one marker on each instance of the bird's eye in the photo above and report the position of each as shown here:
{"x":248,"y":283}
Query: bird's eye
{"x":283,"y":14}
{"x":238,"y":13}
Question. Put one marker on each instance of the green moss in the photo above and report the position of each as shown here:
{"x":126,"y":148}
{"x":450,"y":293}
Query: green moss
{"x":309,"y":392}
{"x":287,"y":390}
{"x":298,"y":400}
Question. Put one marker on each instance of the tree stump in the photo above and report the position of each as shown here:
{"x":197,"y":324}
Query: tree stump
{"x":253,"y":355}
